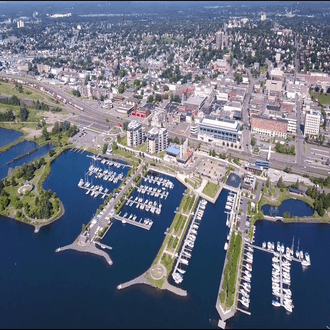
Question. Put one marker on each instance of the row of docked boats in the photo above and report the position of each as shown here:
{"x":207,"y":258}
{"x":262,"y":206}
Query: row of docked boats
{"x":146,"y":205}
{"x":288,"y":252}
{"x":281,"y":277}
{"x":93,"y":190}
{"x":107,"y":175}
{"x":153,"y":191}
{"x":246,"y":276}
{"x":189,"y":243}
{"x":230,"y":201}
{"x":133,"y":217}
{"x":111,"y":163}
{"x":159,"y":181}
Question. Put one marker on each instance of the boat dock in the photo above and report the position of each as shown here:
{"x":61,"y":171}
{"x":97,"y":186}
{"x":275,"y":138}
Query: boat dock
{"x":103,"y":246}
{"x":281,"y":266}
{"x":133,"y":222}
{"x":108,"y":161}
{"x":243,"y":311}
{"x":188,"y":243}
{"x":268,"y":250}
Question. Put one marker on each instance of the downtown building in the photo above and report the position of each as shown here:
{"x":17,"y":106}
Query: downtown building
{"x":312,"y":123}
{"x":135,"y":134}
{"x":220,"y":40}
{"x":269,"y":127}
{"x":157,"y":140}
{"x":211,"y":128}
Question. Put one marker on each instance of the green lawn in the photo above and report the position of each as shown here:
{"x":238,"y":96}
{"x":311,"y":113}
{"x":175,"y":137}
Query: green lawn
{"x":142,"y":147}
{"x":211,"y":189}
{"x":323,"y":99}
{"x":28,"y":93}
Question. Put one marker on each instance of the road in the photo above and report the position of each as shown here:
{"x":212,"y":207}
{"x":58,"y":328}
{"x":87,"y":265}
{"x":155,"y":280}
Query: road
{"x":95,"y":116}
{"x":102,"y":221}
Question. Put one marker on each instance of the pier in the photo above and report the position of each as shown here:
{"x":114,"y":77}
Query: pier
{"x":107,"y":161}
{"x":132,"y":222}
{"x":86,"y":247}
{"x":269,"y":251}
{"x":188,"y":243}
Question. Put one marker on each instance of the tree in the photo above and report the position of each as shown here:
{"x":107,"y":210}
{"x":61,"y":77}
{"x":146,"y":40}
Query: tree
{"x":24,"y":113}
{"x":280,"y":182}
{"x":166,"y":88}
{"x":150,"y":99}
{"x":45,"y":133}
{"x":253,"y":141}
{"x":121,"y":88}
{"x":158,"y":98}
{"x":114,"y":145}
{"x":105,"y":148}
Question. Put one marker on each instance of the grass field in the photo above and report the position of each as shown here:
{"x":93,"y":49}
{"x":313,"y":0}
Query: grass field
{"x":211,"y":189}
{"x":323,"y":99}
{"x":28,"y":93}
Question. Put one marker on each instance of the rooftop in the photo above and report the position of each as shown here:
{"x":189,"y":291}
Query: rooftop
{"x":228,"y":124}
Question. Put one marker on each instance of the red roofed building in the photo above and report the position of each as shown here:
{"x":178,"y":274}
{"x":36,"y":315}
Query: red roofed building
{"x":182,"y":108}
{"x":142,"y":113}
{"x":187,"y":90}
{"x":289,"y":107}
{"x":269,"y":127}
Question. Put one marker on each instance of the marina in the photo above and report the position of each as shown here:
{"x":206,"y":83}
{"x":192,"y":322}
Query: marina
{"x":188,"y":244}
{"x":281,"y":267}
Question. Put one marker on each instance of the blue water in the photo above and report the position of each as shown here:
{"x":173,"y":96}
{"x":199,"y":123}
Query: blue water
{"x":8,"y":136}
{"x":294,"y":206}
{"x":17,"y":150}
{"x":310,"y":288}
{"x":72,"y":289}
{"x":42,"y":288}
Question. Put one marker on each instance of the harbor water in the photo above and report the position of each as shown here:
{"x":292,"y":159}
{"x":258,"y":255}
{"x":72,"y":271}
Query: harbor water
{"x":7,"y":158}
{"x":45,"y":289}
{"x":8,"y":136}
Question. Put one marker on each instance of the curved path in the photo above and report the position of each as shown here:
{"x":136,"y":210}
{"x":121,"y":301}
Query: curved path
{"x":89,"y":247}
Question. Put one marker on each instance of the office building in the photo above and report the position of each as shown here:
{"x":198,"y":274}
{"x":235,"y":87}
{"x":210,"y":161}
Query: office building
{"x":211,"y":128}
{"x":312,"y":124}
{"x":135,"y":134}
{"x":157,"y":140}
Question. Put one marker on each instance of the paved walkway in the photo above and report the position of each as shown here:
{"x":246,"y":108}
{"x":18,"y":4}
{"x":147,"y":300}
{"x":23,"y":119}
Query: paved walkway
{"x":143,"y":279}
{"x":88,"y":247}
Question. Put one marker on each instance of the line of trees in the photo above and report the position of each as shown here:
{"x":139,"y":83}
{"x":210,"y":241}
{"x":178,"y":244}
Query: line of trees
{"x":7,"y":116}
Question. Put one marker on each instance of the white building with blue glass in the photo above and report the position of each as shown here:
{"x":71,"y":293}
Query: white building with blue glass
{"x":212,"y":129}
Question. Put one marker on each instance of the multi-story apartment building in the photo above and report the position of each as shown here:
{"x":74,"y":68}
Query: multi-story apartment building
{"x":135,"y":134}
{"x":312,"y":123}
{"x":157,"y":140}
{"x":220,"y":39}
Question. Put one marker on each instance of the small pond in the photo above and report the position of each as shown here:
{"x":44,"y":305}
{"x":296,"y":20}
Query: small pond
{"x":296,"y":207}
